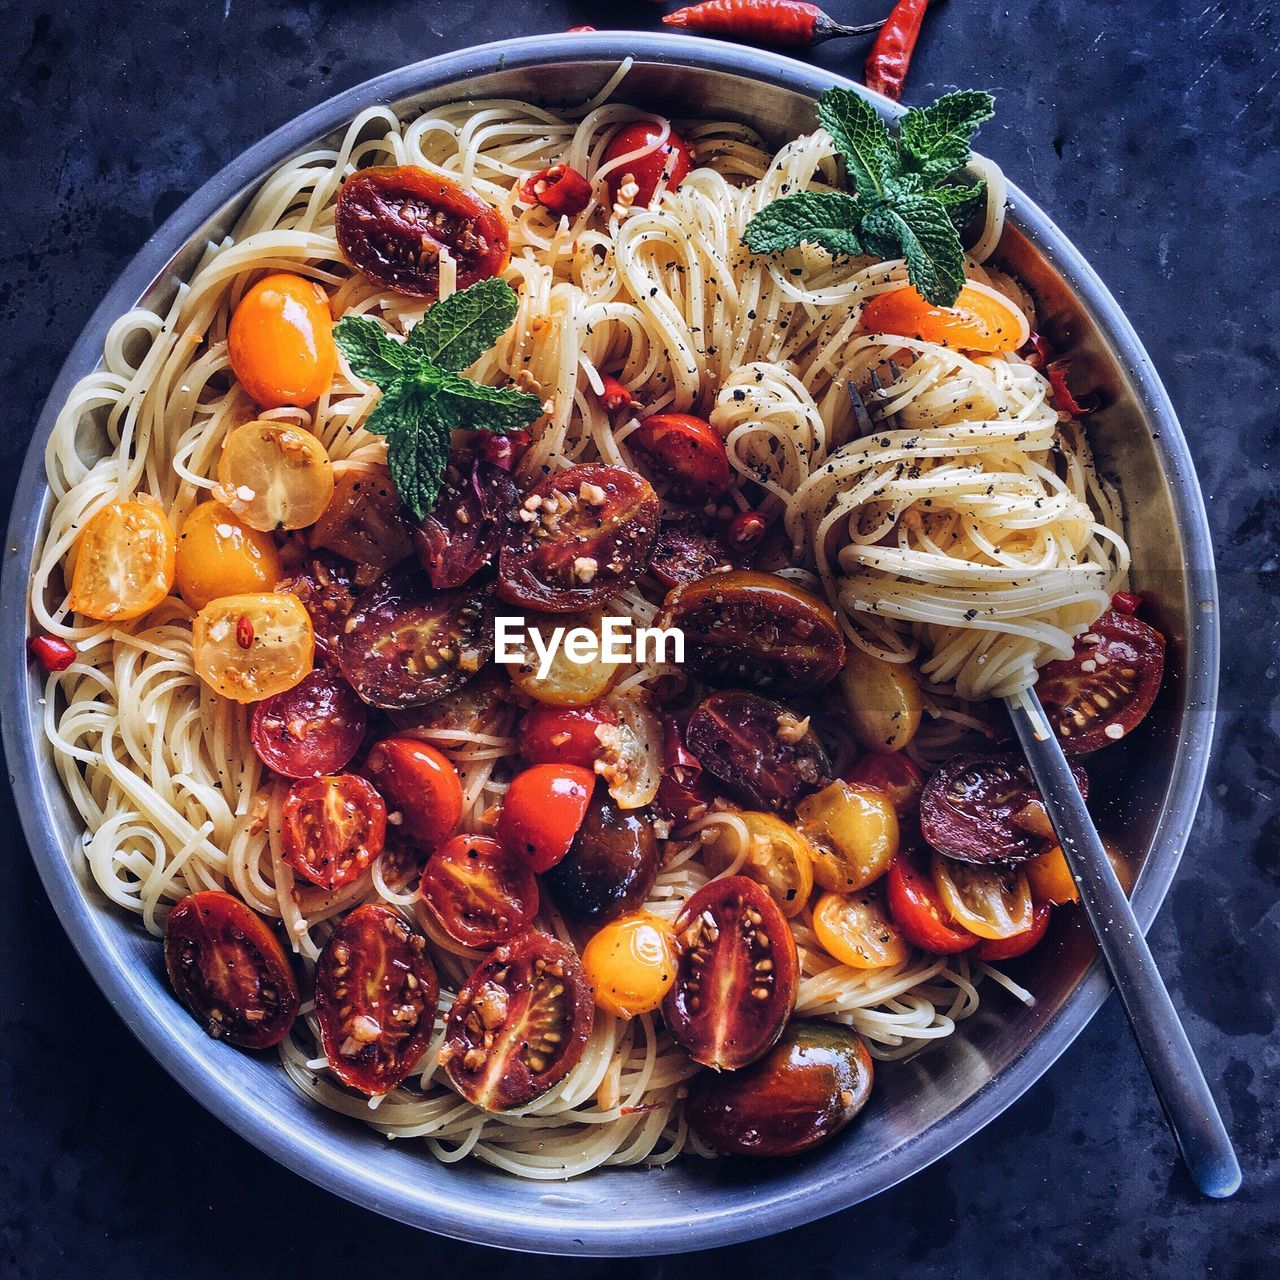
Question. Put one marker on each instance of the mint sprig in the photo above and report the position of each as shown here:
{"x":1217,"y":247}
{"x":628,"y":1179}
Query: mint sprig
{"x":424,"y":393}
{"x":910,"y":195}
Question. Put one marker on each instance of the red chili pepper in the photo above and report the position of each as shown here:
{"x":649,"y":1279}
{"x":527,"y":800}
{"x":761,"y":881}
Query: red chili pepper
{"x":614,"y":397}
{"x":890,"y":56}
{"x":559,"y":188}
{"x":1126,"y":602}
{"x":781,"y":22}
{"x":575,"y":30}
{"x":745,"y":530}
{"x":53,"y":654}
{"x":1063,"y":397}
{"x":1041,"y":351}
{"x":244,"y":632}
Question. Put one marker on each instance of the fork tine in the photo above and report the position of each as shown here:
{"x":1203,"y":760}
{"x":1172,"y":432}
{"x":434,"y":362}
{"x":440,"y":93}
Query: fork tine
{"x":885,"y":419}
{"x":894,"y":370}
{"x":865,"y":426}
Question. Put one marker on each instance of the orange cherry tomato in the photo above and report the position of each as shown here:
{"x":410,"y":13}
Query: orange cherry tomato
{"x":219,"y":555}
{"x":672,"y":160}
{"x":855,"y":929}
{"x":280,"y":341}
{"x":631,"y":964}
{"x":542,"y":811}
{"x":980,"y":320}
{"x":249,"y":647}
{"x":420,"y":785}
{"x":333,"y":828}
{"x":275,"y":475}
{"x":125,"y":561}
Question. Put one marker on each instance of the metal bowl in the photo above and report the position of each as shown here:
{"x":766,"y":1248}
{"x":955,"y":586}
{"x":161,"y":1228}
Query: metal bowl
{"x":921,"y":1109}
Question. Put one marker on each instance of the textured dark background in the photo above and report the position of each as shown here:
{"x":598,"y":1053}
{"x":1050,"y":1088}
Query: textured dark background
{"x":1148,"y":130}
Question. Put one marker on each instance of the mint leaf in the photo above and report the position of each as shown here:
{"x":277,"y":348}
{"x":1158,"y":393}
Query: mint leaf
{"x":476,"y":407}
{"x":455,"y":333}
{"x":929,"y":243}
{"x":418,"y":449}
{"x":371,"y":354}
{"x":826,"y":218}
{"x":935,"y":139}
{"x":861,"y":137}
{"x":962,"y":201}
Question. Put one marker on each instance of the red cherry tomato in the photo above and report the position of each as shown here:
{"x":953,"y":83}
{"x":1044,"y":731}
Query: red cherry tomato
{"x":542,"y":811}
{"x":918,"y":911}
{"x":478,"y":893}
{"x":393,"y":222}
{"x":684,"y":451}
{"x":519,"y":1024}
{"x":566,"y":735}
{"x":229,"y":969}
{"x":333,"y":828}
{"x":671,"y":161}
{"x":376,"y":996}
{"x":893,"y":774}
{"x":312,"y":729}
{"x":992,"y":949}
{"x":419,"y":784}
{"x":559,"y":189}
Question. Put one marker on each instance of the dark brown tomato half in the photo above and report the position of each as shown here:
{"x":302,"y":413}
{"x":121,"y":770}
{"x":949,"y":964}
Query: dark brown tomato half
{"x":463,"y":530}
{"x":801,"y":1093}
{"x":611,"y":865}
{"x":758,"y":749}
{"x":312,"y":729}
{"x":404,"y":644}
{"x":477,"y":707}
{"x":228,"y":967}
{"x":589,"y":533}
{"x":746,"y":627}
{"x":735,"y":984}
{"x":986,"y":809}
{"x":376,"y":996}
{"x":365,"y":521}
{"x":477,"y":893}
{"x":1100,"y":694}
{"x":326,"y":586}
{"x":392,"y":224}
{"x":519,"y":1024}
{"x":333,"y":828}
{"x":685,"y":555}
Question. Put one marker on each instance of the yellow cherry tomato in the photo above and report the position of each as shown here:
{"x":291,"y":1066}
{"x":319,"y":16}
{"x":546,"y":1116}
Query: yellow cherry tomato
{"x":124,"y":561}
{"x":1051,"y":880}
{"x":248,"y":647}
{"x":882,"y":699}
{"x":777,"y":856}
{"x":220,"y":556}
{"x":855,"y":929}
{"x":993,"y":902}
{"x":980,"y":320}
{"x":275,"y":475}
{"x":280,"y":341}
{"x":854,"y":834}
{"x":631,"y":964}
{"x":569,"y":681}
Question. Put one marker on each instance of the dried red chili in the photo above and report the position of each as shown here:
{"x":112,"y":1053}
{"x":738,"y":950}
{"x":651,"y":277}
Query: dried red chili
{"x":1126,"y":602}
{"x":1063,"y":396}
{"x":52,"y":653}
{"x":745,"y":530}
{"x":778,"y":22}
{"x":890,"y":55}
{"x":614,"y":396}
{"x":559,"y":189}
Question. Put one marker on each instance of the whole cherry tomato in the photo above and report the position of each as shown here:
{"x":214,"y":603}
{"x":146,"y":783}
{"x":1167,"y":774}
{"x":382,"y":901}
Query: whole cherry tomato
{"x":420,"y":785}
{"x":667,"y":162}
{"x":280,"y":342}
{"x":542,"y":811}
{"x":566,"y":735}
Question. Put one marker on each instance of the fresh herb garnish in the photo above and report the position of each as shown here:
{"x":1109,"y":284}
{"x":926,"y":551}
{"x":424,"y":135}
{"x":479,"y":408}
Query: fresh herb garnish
{"x":910,"y":198}
{"x":424,"y":395}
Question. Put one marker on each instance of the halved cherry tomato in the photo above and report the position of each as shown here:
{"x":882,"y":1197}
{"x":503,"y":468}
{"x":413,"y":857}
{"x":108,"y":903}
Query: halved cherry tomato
{"x":685,"y":555}
{"x":560,"y":189}
{"x":590,"y":534}
{"x":568,"y":681}
{"x":986,"y":809}
{"x":219,"y":555}
{"x":324,"y":585}
{"x":882,"y":699}
{"x":895,"y":775}
{"x":981,"y":319}
{"x":463,"y":530}
{"x":333,"y":829}
{"x":376,"y":997}
{"x":477,"y":707}
{"x":631,"y":756}
{"x":855,"y":929}
{"x":1103,"y":691}
{"x":275,"y":475}
{"x":392,"y":224}
{"x":477,"y":893}
{"x":364,"y":521}
{"x":918,"y":911}
{"x":252,"y":646}
{"x":686,"y":452}
{"x":566,"y":735}
{"x":854,"y":834}
{"x":757,"y":748}
{"x":404,"y":644}
{"x":736,"y":983}
{"x":777,"y":856}
{"x":419,"y":784}
{"x":312,"y":729}
{"x":542,"y":811}
{"x":280,"y":341}
{"x":125,"y":561}
{"x":631,"y":964}
{"x":670,"y":162}
{"x":1051,"y":879}
{"x":229,"y":969}
{"x":1017,"y":944}
{"x":519,"y":1024}
{"x":611,"y":864}
{"x":757,"y":629}
{"x":992,"y":902}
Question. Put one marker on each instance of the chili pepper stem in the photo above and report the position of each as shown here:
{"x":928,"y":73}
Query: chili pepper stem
{"x":828,"y":29}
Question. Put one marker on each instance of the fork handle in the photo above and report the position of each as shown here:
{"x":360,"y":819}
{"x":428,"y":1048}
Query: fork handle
{"x":1171,"y":1062}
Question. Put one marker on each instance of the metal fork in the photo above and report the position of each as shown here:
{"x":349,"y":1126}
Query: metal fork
{"x":1171,"y":1062}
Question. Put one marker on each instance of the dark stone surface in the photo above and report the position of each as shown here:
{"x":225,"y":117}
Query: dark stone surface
{"x":1149,"y":131}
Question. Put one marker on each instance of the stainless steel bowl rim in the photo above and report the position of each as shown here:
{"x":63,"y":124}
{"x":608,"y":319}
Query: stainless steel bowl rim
{"x":296,"y":1140}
